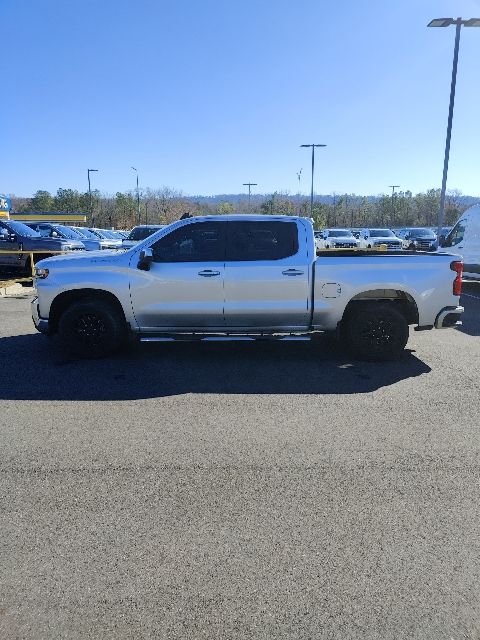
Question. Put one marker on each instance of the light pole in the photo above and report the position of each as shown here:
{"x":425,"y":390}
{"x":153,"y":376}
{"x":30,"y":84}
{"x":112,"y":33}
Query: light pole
{"x":393,"y":186}
{"x":89,"y":171}
{"x":459,"y":23}
{"x":249,"y":185}
{"x":313,"y":170}
{"x":138,"y":198}
{"x":299,"y":176}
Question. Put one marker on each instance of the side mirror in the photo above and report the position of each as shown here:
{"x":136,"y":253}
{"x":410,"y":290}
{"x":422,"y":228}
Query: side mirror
{"x":4,"y":235}
{"x":146,"y":259}
{"x":12,"y":237}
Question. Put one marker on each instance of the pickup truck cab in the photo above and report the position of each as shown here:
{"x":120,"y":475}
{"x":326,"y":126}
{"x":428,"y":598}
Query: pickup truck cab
{"x":237,"y":276}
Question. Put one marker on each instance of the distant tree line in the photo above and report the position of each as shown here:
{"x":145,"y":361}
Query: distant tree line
{"x":162,"y":206}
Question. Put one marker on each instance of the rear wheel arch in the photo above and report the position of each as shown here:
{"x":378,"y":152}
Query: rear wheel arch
{"x":403,"y":302}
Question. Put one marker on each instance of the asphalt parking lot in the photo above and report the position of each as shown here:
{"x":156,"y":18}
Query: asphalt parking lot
{"x":239,"y":490}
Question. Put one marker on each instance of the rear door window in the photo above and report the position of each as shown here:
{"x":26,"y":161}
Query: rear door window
{"x":249,"y":241}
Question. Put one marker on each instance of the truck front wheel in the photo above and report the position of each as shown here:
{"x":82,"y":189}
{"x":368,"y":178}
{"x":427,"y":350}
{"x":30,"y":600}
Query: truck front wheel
{"x":92,"y":328}
{"x":376,"y":332}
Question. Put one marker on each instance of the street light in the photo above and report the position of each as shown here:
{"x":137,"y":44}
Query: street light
{"x":249,"y":185}
{"x":313,"y":170}
{"x":138,"y":198}
{"x":89,"y":171}
{"x":299,"y":176}
{"x":393,"y":186}
{"x":459,"y":23}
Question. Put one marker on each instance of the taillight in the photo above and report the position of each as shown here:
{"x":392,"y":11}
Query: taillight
{"x":457,"y":266}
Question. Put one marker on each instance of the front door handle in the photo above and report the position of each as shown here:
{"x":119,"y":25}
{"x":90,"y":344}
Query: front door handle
{"x":208,"y":273}
{"x":292,"y":272}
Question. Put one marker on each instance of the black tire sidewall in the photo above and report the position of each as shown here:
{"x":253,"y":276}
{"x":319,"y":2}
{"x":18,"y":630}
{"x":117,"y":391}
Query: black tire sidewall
{"x":110,"y":341}
{"x":376,"y":313}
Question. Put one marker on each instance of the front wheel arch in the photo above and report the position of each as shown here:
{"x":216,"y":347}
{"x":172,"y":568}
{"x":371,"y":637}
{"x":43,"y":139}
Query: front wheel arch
{"x":67,"y":298}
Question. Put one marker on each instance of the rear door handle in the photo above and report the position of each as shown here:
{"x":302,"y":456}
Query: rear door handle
{"x":292,"y":272}
{"x":208,"y":273}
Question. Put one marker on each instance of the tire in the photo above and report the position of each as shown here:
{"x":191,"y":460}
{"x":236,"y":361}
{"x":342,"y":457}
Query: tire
{"x":376,"y":332}
{"x":92,"y":328}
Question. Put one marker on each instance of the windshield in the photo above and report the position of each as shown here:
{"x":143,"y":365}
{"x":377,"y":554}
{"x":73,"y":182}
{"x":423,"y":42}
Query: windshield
{"x":421,"y":233}
{"x":140,"y":233}
{"x":104,"y":233}
{"x":85,"y":233}
{"x":66,"y":232}
{"x":381,"y":233}
{"x":339,"y":233}
{"x":21,"y":229}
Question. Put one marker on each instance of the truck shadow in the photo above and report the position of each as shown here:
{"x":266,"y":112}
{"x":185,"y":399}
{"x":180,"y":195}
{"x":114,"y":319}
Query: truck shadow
{"x":39,"y":371}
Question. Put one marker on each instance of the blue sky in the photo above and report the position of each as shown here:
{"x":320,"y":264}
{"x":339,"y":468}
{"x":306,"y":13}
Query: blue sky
{"x":203,"y":95}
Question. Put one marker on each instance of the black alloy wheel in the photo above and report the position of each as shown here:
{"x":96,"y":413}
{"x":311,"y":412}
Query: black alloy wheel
{"x":377,"y":332}
{"x":92,"y":328}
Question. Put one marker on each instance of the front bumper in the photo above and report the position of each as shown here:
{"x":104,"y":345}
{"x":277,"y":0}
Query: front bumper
{"x":449,"y":317}
{"x":41,"y":324}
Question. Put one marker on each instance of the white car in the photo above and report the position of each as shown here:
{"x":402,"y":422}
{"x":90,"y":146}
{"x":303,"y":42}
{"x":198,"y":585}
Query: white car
{"x":335,"y":238}
{"x":373,"y":238}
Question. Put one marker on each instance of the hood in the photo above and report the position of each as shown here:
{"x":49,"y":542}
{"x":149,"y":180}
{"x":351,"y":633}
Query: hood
{"x":83,"y":259}
{"x":342,"y":239}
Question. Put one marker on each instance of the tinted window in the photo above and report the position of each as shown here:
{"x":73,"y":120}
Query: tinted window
{"x":195,"y":242}
{"x":261,"y":240}
{"x":140,"y":233}
{"x":456,"y":234}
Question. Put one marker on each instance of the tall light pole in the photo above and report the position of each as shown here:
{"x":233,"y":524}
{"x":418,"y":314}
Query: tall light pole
{"x":459,"y":23}
{"x":89,"y":171}
{"x":313,"y":170}
{"x":299,"y":176}
{"x":138,"y":198}
{"x":249,"y":185}
{"x":393,"y":187}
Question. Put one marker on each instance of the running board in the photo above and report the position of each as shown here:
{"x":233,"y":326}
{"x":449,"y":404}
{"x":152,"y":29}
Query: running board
{"x":194,"y":338}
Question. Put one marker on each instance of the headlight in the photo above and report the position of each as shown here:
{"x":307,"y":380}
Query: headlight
{"x":40,"y":273}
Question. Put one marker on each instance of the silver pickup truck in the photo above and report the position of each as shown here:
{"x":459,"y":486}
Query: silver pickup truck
{"x":239,"y":276}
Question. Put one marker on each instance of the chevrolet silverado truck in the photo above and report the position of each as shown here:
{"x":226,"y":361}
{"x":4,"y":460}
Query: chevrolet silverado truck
{"x":244,"y":276}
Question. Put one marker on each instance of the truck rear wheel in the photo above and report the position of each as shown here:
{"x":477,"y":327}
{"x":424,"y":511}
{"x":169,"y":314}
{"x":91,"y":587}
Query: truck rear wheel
{"x":92,"y":328}
{"x":376,"y":332}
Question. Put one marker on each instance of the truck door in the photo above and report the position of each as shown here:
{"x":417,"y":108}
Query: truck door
{"x":267,"y":272}
{"x":184,"y":286}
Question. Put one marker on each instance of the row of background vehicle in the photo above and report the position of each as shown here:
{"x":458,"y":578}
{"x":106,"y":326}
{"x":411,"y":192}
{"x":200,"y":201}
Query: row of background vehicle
{"x":410,"y":238}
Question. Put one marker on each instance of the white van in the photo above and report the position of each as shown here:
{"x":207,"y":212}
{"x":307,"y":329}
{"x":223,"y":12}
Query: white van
{"x":464,"y":239}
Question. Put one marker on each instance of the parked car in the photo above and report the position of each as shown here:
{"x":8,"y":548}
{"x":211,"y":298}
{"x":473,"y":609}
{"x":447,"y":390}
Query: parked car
{"x":418,"y":239}
{"x":53,"y":230}
{"x":95,"y":242}
{"x":464,"y":238}
{"x":16,"y":236}
{"x":106,"y":234}
{"x":246,"y":275}
{"x":140,"y":233}
{"x":339,"y":238}
{"x":372,"y":238}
